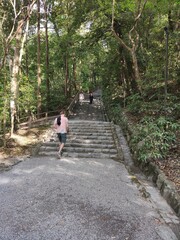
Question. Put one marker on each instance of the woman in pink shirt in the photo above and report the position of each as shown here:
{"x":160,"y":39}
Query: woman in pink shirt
{"x":61,"y":126}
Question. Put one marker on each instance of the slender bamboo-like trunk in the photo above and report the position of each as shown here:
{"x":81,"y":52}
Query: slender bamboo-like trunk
{"x":66,"y":75}
{"x":74,"y":74}
{"x":26,"y":60}
{"x":47,"y":58}
{"x":38,"y":63}
{"x":5,"y":107}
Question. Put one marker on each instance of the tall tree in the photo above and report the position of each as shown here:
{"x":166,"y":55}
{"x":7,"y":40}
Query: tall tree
{"x":47,"y":55}
{"x":22,"y":17}
{"x":133,"y":36}
{"x":39,"y":103}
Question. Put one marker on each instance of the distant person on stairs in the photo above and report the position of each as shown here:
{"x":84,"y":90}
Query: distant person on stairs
{"x":91,"y":98}
{"x":81,"y":98}
{"x":62,"y":127}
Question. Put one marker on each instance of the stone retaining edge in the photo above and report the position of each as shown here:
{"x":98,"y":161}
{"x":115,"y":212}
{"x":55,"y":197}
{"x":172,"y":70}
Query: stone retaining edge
{"x":165,"y":186}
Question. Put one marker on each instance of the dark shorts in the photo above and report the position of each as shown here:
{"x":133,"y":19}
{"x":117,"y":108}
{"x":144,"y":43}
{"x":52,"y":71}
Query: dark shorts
{"x":62,"y":137}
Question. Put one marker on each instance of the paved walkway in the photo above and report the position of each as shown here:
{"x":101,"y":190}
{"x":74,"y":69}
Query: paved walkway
{"x":81,"y":199}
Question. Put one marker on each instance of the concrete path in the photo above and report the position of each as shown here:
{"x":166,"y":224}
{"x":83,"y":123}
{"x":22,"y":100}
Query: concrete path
{"x":44,"y":198}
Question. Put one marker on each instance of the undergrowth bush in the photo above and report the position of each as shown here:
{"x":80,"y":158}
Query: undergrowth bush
{"x":135,"y":103}
{"x":152,"y":138}
{"x":155,"y":134}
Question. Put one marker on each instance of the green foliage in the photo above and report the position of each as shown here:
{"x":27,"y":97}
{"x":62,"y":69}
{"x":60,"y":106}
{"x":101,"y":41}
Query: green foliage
{"x":152,"y":138}
{"x":154,"y":104}
{"x":27,"y":100}
{"x":134,"y":103}
{"x":80,"y":36}
{"x":112,"y":106}
{"x":4,"y":100}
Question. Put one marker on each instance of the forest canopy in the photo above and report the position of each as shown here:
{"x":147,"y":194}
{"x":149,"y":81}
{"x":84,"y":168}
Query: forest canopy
{"x":51,"y":49}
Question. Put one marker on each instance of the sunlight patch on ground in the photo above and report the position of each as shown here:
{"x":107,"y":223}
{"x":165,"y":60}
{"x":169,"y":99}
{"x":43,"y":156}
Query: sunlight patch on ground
{"x":93,"y":163}
{"x":24,"y":140}
{"x":64,"y":171}
{"x":68,"y":161}
{"x":4,"y":180}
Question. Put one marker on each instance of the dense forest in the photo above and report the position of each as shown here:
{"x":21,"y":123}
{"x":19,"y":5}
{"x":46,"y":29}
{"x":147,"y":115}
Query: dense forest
{"x":51,"y":49}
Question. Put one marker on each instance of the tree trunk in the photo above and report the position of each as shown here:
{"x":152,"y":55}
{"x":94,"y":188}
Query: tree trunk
{"x":5,"y":107}
{"x":39,"y":104}
{"x":47,"y":58}
{"x":26,"y":60}
{"x":14,"y":79}
{"x":66,"y":75}
{"x":136,"y":70}
{"x":134,"y":39}
{"x":74,"y":74}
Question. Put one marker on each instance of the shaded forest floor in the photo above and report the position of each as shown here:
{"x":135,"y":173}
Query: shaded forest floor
{"x":20,"y":145}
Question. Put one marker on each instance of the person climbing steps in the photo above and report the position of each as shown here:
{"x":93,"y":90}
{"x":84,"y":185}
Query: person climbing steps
{"x":62,"y":127}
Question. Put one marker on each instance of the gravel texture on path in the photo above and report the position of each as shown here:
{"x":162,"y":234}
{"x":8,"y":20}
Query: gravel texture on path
{"x":46,"y":198}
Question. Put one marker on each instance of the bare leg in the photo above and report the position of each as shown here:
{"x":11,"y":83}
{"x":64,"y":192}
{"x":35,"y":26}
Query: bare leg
{"x":61,"y":146}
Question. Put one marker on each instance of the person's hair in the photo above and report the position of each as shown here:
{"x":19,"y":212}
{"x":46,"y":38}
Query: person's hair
{"x":62,"y":112}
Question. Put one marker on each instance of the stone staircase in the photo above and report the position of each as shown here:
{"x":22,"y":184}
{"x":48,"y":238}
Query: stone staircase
{"x":86,"y":139}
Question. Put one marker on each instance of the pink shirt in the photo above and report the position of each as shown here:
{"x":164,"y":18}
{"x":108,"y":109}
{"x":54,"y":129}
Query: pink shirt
{"x":63,"y":128}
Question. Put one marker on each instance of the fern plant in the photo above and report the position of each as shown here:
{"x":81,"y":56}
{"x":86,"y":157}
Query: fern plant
{"x":153,"y":138}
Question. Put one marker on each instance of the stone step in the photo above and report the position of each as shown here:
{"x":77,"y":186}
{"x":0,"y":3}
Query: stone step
{"x":90,"y":135}
{"x":80,"y":145}
{"x":89,"y":123}
{"x":79,"y":149}
{"x":92,"y":124}
{"x":90,"y":130}
{"x":82,"y":141}
{"x":86,"y":139}
{"x":79,"y":155}
{"x":95,"y":126}
{"x":75,"y":136}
